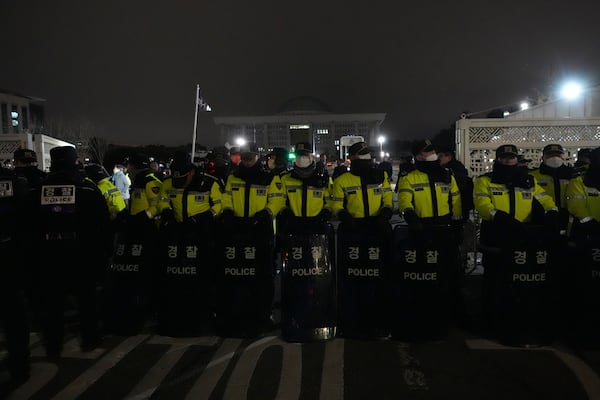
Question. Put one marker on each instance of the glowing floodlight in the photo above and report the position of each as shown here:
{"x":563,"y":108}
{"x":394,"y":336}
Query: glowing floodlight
{"x":571,"y":90}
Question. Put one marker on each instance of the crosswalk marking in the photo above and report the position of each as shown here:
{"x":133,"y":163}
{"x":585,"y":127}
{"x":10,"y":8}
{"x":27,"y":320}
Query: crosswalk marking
{"x":332,"y":378}
{"x":41,"y":374}
{"x":85,"y":380}
{"x":151,"y":381}
{"x":205,"y":384}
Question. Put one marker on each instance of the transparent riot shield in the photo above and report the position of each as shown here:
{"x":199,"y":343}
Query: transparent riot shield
{"x":308,"y":281}
{"x":244,"y":278}
{"x":362,"y":264}
{"x":130,"y":279}
{"x":585,"y":296}
{"x":186,"y":284}
{"x":523,"y":300}
{"x":420,"y":281}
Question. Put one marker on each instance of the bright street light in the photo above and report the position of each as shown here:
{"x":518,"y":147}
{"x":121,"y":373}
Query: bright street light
{"x":524,"y":105}
{"x":571,"y":90}
{"x":381,"y":139}
{"x":240,"y":141}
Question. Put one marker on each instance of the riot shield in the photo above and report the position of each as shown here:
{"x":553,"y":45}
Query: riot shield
{"x":130,"y":279}
{"x":308,"y":282}
{"x":244,"y":278}
{"x":362,"y":263}
{"x":522,"y":300}
{"x":420,"y":283}
{"x":186,"y":284}
{"x":585,"y":323}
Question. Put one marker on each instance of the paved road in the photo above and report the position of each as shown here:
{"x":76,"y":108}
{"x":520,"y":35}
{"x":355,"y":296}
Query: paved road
{"x":460,"y":367}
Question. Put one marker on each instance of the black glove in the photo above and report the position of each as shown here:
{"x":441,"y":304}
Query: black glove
{"x":140,"y":217}
{"x":324,"y":215}
{"x":263,"y":217}
{"x":285,"y":215}
{"x":227,"y":217}
{"x":203,"y":218}
{"x":552,"y":222}
{"x":385,"y":214}
{"x":413,"y":221}
{"x":167,"y":217}
{"x":345,"y":217}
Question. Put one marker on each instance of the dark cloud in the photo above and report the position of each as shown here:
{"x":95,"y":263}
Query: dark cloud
{"x":131,"y":67}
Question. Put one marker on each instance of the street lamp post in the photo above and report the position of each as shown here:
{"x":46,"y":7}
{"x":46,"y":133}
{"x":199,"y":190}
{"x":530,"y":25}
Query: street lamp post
{"x":381,"y":139}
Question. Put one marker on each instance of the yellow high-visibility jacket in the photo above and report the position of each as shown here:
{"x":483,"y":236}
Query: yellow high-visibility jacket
{"x":306,"y":198}
{"x":490,"y":197}
{"x":414,"y":192}
{"x":583,"y":201}
{"x":114,"y":198}
{"x":202,"y":195}
{"x":350,"y":192}
{"x":552,"y":187}
{"x":145,"y":193}
{"x":246,"y":198}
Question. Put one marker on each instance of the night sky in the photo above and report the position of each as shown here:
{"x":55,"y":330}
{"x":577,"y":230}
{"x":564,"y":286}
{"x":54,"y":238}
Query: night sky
{"x":130,"y":67}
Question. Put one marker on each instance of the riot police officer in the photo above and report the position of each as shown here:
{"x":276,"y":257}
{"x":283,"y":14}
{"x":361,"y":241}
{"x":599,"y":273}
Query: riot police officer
{"x":306,"y":190}
{"x":26,"y":166}
{"x":70,"y":220}
{"x":428,"y":195}
{"x":145,"y":191}
{"x":504,"y":200}
{"x":553,"y":175}
{"x":583,"y":198}
{"x":13,"y":312}
{"x":363,"y":192}
{"x":189,"y":195}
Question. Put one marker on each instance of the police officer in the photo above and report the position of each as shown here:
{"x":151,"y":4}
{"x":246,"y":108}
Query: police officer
{"x":364,"y":191}
{"x":553,"y":176}
{"x":583,"y":161}
{"x":26,"y":166}
{"x":583,"y":199}
{"x":13,"y":312}
{"x":306,"y":190}
{"x":277,"y":161}
{"x":70,"y":219}
{"x":145,"y":191}
{"x":251,"y":192}
{"x":504,"y":200}
{"x":428,"y":195}
{"x":189,"y":195}
{"x":114,"y":199}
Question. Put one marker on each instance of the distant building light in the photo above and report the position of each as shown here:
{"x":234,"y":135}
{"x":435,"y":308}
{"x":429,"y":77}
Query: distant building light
{"x":299,"y":126}
{"x":571,"y":90}
{"x":506,"y":114}
{"x":14,"y":115}
{"x":322,"y":131}
{"x":15,"y":122}
{"x":524,"y":106}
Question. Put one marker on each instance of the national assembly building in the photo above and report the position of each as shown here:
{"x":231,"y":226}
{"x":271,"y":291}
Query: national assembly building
{"x":301,"y":119}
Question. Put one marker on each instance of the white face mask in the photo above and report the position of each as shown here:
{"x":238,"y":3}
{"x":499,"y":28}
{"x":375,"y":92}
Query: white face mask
{"x":303,"y":161}
{"x":431,"y":157}
{"x":364,"y":156}
{"x":554,"y":162}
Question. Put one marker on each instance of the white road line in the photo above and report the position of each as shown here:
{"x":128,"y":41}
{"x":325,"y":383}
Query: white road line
{"x":332,"y":378}
{"x":71,"y":349}
{"x":150,"y":382}
{"x":237,"y":387}
{"x":587,"y":376}
{"x":188,"y":341}
{"x":290,"y":382}
{"x":206,"y":383}
{"x":41,"y":374}
{"x":85,"y":380}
